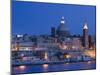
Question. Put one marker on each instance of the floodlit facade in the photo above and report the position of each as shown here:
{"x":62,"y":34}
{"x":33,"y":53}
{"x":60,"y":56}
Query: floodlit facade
{"x":60,"y":38}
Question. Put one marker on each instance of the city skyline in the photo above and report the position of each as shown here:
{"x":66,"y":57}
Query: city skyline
{"x":51,"y":37}
{"x":38,"y":18}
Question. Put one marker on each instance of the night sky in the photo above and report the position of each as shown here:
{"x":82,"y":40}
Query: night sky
{"x":38,"y":18}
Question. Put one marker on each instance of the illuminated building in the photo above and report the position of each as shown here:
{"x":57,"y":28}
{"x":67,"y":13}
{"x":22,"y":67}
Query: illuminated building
{"x":60,"y":38}
{"x":85,"y":36}
{"x":62,"y":31}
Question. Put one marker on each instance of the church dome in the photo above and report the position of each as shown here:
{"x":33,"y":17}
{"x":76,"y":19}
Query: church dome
{"x":62,"y":30}
{"x":62,"y":26}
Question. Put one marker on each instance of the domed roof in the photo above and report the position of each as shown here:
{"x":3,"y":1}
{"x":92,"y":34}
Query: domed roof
{"x":62,"y":26}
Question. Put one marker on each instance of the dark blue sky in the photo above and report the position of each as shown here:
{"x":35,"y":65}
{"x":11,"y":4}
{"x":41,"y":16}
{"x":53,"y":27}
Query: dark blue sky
{"x":38,"y":18}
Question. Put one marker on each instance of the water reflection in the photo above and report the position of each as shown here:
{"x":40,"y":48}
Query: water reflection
{"x":45,"y":67}
{"x":54,"y":67}
{"x":22,"y":67}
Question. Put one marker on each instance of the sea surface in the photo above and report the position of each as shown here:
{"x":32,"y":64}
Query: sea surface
{"x":23,"y":69}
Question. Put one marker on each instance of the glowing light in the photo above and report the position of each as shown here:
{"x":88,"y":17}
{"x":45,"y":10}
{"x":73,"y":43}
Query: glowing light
{"x":85,"y":26}
{"x":90,"y":53}
{"x":89,"y":62}
{"x":22,"y":67}
{"x":45,"y":65}
{"x":64,"y":47}
{"x":26,"y":48}
{"x":46,"y":56}
{"x":73,"y":47}
{"x":66,"y":63}
{"x":19,"y":35}
{"x":40,"y":48}
{"x":67,"y":56}
{"x":62,"y":21}
{"x":16,"y":48}
{"x":22,"y":55}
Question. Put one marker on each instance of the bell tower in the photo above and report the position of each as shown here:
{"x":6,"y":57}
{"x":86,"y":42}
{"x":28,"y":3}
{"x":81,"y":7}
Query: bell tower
{"x":85,"y":36}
